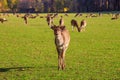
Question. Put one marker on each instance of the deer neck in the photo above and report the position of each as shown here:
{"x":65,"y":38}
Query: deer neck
{"x":59,"y":37}
{"x":59,"y":40}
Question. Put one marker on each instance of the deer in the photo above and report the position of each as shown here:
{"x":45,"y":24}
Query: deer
{"x":83,"y":25}
{"x":80,"y":28}
{"x":115,"y":16}
{"x":25,"y":19}
{"x":3,"y":20}
{"x":78,"y":14}
{"x":74,"y":24}
{"x":62,"y":39}
{"x":61,"y":21}
{"x":49,"y":20}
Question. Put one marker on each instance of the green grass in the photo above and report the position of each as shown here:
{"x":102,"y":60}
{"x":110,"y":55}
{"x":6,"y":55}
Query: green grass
{"x":27,"y":52}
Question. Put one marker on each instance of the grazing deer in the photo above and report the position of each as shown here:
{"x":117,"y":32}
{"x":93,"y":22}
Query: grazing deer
{"x":3,"y":20}
{"x":55,"y":15}
{"x":115,"y":16}
{"x":78,"y":14}
{"x":25,"y":19}
{"x":62,"y":39}
{"x":66,"y":14}
{"x":49,"y":20}
{"x":61,"y":21}
{"x":83,"y":25}
{"x":32,"y":17}
{"x":74,"y":24}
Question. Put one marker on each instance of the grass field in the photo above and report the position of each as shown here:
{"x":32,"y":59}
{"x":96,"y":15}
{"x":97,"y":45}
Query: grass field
{"x":27,"y":52}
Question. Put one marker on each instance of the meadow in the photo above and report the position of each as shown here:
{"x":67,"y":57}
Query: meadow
{"x":27,"y":51}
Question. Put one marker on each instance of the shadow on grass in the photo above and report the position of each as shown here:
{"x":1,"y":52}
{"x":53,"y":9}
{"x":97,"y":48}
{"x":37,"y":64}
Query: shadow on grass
{"x":48,"y":67}
{"x":14,"y":68}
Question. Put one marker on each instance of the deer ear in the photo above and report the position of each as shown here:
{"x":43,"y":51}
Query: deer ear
{"x":53,"y":27}
{"x":62,"y":27}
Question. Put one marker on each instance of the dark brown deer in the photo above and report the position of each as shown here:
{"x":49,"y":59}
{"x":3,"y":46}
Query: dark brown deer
{"x":74,"y":24}
{"x":83,"y":25}
{"x":25,"y":19}
{"x":49,"y":20}
{"x":61,"y":21}
{"x":62,"y":39}
{"x":78,"y":14}
{"x":3,"y":20}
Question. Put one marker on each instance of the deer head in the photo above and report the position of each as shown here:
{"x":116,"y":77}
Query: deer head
{"x":57,"y":29}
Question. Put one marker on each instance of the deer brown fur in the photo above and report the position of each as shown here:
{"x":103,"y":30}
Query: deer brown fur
{"x":25,"y":19}
{"x":83,"y":25}
{"x":74,"y":24}
{"x":80,"y":28}
{"x":3,"y":20}
{"x":62,"y":39}
{"x":49,"y":20}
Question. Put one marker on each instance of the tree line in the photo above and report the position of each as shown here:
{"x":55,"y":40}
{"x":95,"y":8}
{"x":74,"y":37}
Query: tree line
{"x":60,"y":5}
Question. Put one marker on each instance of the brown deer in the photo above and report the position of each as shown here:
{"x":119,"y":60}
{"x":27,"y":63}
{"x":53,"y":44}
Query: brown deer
{"x":115,"y":16}
{"x":61,"y":21}
{"x":25,"y":19}
{"x":74,"y":24}
{"x":66,"y":14}
{"x":62,"y":39}
{"x":78,"y":14}
{"x":49,"y":20}
{"x":79,"y":28}
{"x":83,"y":25}
{"x":3,"y":20}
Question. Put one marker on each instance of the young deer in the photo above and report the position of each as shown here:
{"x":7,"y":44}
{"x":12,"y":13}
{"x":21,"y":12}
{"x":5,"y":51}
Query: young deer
{"x":83,"y":25}
{"x":74,"y":24}
{"x":62,"y":39}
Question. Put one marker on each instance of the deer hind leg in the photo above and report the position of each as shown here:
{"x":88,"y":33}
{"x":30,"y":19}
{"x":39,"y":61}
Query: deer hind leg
{"x":72,"y":28}
{"x":84,"y":29}
{"x":25,"y":21}
{"x":80,"y":29}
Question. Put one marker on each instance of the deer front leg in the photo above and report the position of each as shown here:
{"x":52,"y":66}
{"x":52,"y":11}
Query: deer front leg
{"x":63,"y":59}
{"x":63,"y":62}
{"x":59,"y":62}
{"x":59,"y":58}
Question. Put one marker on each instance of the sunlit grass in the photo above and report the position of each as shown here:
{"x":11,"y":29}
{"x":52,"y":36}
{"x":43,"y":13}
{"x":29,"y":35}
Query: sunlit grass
{"x":27,"y":52}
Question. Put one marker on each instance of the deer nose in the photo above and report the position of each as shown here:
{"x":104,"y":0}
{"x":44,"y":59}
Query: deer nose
{"x":56,"y":33}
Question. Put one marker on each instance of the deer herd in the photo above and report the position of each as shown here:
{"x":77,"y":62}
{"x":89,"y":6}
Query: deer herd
{"x":61,"y":34}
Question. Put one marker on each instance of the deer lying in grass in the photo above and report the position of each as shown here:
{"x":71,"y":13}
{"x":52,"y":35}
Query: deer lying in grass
{"x":115,"y":16}
{"x":62,"y":39}
{"x":74,"y":24}
{"x":79,"y":28}
{"x":3,"y":20}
